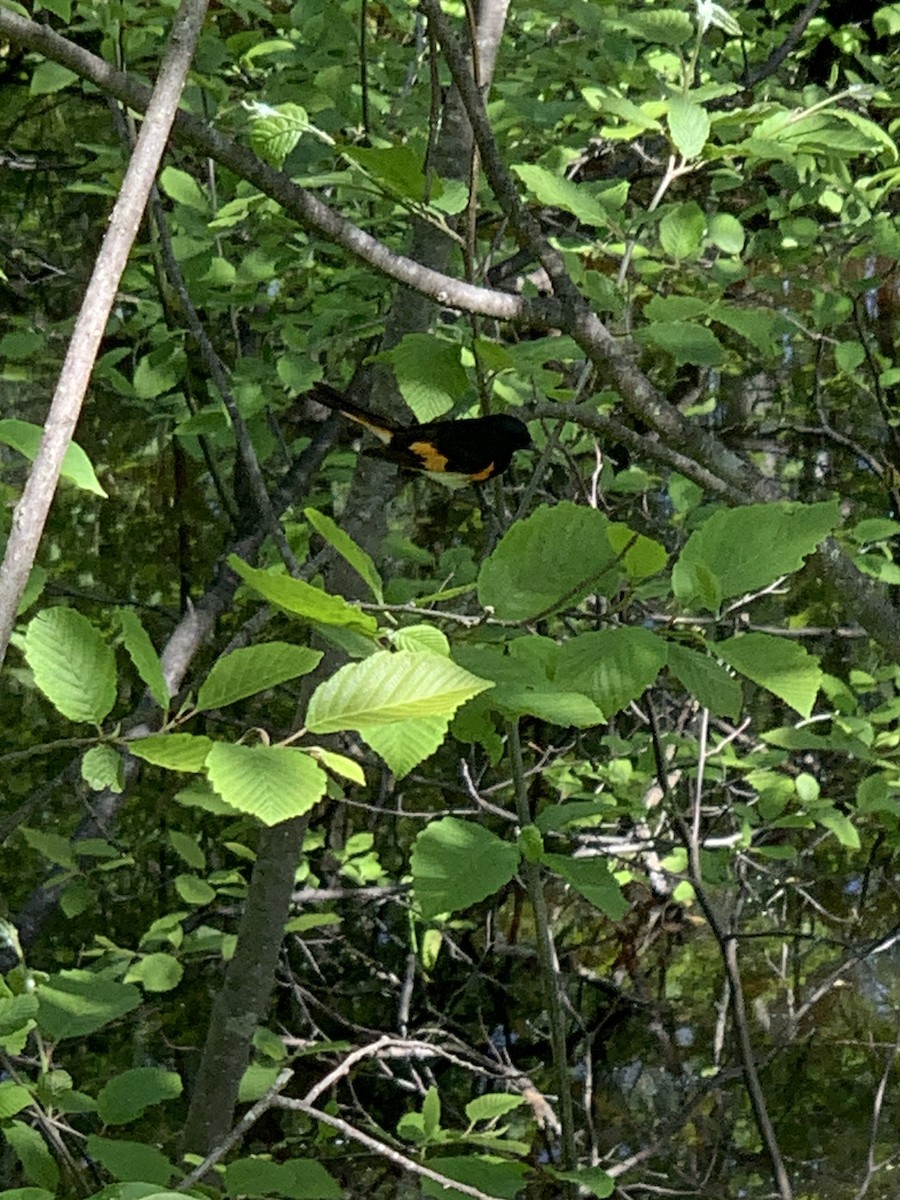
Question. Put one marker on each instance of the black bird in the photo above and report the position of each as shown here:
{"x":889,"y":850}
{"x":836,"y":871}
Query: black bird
{"x":453,"y":453}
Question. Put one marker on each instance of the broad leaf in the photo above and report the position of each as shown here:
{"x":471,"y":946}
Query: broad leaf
{"x":681,"y":230}
{"x":304,"y":600}
{"x":429,"y":374}
{"x":688,"y":126}
{"x":296,"y":1179}
{"x":76,"y":1003}
{"x":72,"y":665}
{"x":553,"y":558}
{"x":175,"y":751}
{"x":686,"y":342}
{"x":125,"y":1096}
{"x":456,"y":864}
{"x":558,"y":192}
{"x":102,"y":768}
{"x":491,"y":1175}
{"x":781,"y":667}
{"x":387,"y":687}
{"x":126,"y":1160}
{"x":254,"y":669}
{"x":143,"y":655}
{"x":593,"y":879}
{"x":359,"y":560}
{"x":274,"y":783}
{"x":76,"y":466}
{"x":613,"y":667}
{"x":405,"y":744}
{"x":706,"y":680}
{"x":38,"y":1165}
{"x":159,"y":972}
{"x":748,"y":548}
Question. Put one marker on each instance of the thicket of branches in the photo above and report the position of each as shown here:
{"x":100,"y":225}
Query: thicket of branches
{"x":360,"y":838}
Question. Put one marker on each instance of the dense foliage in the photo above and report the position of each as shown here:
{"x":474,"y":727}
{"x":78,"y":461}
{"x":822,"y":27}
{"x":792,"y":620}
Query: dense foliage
{"x":534,"y":837}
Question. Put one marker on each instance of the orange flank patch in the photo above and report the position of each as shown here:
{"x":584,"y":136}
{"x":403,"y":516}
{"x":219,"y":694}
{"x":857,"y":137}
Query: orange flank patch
{"x":431,"y":459}
{"x":485,"y":474}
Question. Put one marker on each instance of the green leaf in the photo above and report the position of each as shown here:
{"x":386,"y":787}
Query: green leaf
{"x":389,"y":687}
{"x":664,"y":309}
{"x":338,"y":764}
{"x":490,"y":1174}
{"x":156,"y":973}
{"x":405,"y":744}
{"x":781,"y":667}
{"x":76,"y":1003}
{"x":17,"y":1019}
{"x":492,"y":1106}
{"x":142,"y":653}
{"x":641,"y":556}
{"x":156,"y":374}
{"x":186,"y":848}
{"x":174,"y":751}
{"x":13,"y":1098}
{"x":184,"y":189}
{"x":297,"y":1179}
{"x":592,"y":878}
{"x":667,"y":26}
{"x":72,"y":665}
{"x":52,"y":846}
{"x":304,"y":600}
{"x":429,"y":373}
{"x":33,"y":589}
{"x":686,"y":342}
{"x":276,"y":131}
{"x":126,"y":1096}
{"x":102,"y":769}
{"x":38,"y":1165}
{"x":594,"y":1180}
{"x":554,"y":557}
{"x":62,"y":8}
{"x":273,"y":783}
{"x":757,"y":325}
{"x":359,"y":560}
{"x":398,"y":168}
{"x":525,"y":679}
{"x":557,"y":192}
{"x":254,"y":669}
{"x":688,"y":126}
{"x":726,"y":232}
{"x":609,"y":103}
{"x":841,"y":826}
{"x":613,"y":667}
{"x":431,"y":1112}
{"x":681,"y":230}
{"x":876,"y":795}
{"x":194,"y":891}
{"x":420,"y":637}
{"x":750,"y":547}
{"x":130,"y":1160}
{"x":50,"y":77}
{"x":76,"y":466}
{"x":456,"y":864}
{"x":706,"y":680}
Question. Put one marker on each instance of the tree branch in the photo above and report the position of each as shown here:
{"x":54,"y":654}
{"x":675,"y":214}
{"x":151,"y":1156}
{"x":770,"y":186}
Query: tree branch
{"x":31,"y":512}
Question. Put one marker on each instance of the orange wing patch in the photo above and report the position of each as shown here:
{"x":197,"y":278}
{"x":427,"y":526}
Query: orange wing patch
{"x":432,"y":460}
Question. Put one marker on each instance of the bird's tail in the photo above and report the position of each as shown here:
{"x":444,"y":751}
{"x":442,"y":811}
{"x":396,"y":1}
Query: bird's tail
{"x":325,"y":394}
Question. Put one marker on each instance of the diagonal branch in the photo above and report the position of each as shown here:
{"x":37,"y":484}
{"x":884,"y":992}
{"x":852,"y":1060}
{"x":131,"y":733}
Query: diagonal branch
{"x":301,"y":204}
{"x":31,"y":512}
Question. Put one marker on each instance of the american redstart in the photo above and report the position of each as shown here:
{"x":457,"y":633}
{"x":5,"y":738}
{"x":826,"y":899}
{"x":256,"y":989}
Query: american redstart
{"x":454,"y":453}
